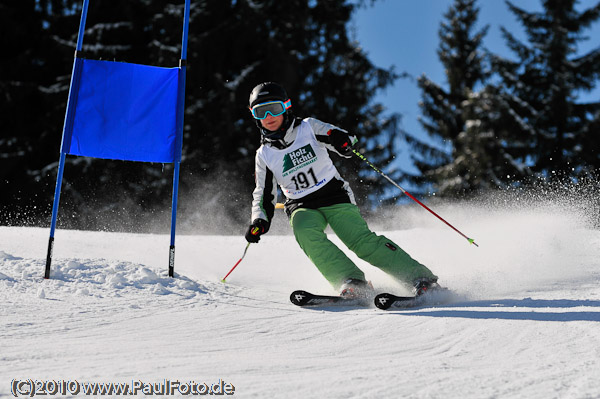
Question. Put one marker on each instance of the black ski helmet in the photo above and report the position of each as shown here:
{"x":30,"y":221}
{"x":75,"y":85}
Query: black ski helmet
{"x":271,"y":91}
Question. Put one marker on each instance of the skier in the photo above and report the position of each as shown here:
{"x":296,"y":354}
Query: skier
{"x":293,"y":154}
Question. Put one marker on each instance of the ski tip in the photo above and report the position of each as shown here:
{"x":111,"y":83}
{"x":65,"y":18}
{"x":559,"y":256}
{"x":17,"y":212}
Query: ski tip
{"x":299,"y":297}
{"x":383,"y":301}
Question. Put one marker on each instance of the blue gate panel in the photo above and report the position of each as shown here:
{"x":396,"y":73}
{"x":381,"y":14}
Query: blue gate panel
{"x":125,"y":111}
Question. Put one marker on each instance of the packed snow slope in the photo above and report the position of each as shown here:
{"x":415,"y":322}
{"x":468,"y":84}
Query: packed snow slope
{"x":525,"y":322}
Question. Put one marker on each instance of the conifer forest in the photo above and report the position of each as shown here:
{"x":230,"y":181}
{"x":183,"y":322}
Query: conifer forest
{"x":495,"y":124}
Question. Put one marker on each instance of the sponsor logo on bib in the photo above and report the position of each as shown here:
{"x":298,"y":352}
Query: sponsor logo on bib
{"x":300,"y":157}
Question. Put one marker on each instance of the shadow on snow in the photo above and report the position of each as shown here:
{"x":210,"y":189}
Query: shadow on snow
{"x":491,"y":309}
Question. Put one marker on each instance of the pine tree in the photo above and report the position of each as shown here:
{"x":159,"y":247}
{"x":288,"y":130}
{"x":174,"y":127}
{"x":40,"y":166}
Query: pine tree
{"x":558,"y":133}
{"x":491,"y":155}
{"x":444,"y":163}
{"x":29,"y":66}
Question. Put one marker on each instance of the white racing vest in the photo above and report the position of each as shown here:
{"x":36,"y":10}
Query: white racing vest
{"x":303,"y":167}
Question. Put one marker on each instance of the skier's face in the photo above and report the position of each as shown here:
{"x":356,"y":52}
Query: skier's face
{"x":271,"y":122}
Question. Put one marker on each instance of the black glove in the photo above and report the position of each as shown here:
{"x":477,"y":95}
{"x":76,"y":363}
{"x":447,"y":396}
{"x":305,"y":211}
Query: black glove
{"x":256,"y":229}
{"x":340,"y":141}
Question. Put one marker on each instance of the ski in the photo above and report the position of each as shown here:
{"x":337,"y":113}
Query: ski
{"x":304,"y":298}
{"x":383,"y":301}
{"x":387,"y":301}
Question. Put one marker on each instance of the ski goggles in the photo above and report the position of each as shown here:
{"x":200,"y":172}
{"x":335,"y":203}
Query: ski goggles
{"x":275,"y":108}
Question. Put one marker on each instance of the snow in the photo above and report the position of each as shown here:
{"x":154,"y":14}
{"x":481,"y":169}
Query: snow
{"x":525,"y":322}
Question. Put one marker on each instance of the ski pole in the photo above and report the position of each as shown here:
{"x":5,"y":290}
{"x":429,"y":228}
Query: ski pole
{"x":376,"y":169}
{"x":254,"y":231}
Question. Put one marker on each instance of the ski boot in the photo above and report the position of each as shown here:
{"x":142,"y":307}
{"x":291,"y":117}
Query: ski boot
{"x":425,"y":286}
{"x":354,"y":288}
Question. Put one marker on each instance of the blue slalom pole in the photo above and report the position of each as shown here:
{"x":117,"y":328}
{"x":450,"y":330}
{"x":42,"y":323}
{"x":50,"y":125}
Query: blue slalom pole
{"x":186,"y":24}
{"x":173,"y":219}
{"x":179,"y":142}
{"x":66,"y":137}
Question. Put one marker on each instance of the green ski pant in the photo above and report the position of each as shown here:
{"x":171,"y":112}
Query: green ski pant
{"x":347,"y":223}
